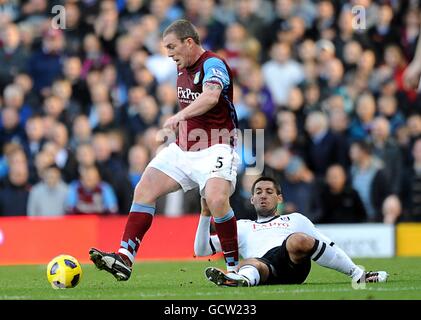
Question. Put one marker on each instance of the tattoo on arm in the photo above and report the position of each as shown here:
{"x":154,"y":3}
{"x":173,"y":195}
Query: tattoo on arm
{"x":212,"y":86}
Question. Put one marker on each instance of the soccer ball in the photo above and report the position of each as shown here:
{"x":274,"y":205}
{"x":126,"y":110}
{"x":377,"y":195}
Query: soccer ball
{"x":63,"y":272}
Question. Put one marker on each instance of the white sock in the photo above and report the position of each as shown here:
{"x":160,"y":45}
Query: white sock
{"x":333,"y":257}
{"x":251,"y":273}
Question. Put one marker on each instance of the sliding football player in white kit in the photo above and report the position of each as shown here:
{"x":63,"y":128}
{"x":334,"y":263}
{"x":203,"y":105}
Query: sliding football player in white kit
{"x":276,"y":249}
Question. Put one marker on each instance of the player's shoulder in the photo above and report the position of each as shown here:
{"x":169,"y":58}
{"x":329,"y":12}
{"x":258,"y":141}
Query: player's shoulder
{"x":212,"y":59}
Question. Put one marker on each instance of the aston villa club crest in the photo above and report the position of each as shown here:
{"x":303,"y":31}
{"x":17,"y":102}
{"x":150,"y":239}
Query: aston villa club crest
{"x":196,"y":77}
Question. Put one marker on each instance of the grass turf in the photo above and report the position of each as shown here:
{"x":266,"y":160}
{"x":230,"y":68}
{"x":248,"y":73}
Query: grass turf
{"x":186,"y":281}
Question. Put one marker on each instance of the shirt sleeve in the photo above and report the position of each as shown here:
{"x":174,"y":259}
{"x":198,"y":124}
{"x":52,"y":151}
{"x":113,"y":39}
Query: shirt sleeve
{"x":216,"y":72}
{"x":204,"y":243}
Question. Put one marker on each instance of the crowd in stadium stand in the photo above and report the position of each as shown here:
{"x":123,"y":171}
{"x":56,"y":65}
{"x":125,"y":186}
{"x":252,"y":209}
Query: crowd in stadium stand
{"x":81,"y":106}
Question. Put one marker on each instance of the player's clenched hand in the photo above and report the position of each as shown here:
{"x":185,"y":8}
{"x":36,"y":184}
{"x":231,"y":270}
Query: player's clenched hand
{"x":173,"y":121}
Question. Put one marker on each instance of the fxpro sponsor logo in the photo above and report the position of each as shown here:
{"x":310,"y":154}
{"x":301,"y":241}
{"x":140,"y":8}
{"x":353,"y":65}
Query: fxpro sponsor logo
{"x":186,"y":95}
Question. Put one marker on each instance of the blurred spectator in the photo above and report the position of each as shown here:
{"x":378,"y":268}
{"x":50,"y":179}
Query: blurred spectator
{"x":276,"y":160}
{"x":106,"y":118}
{"x":14,"y":97}
{"x":339,"y":201}
{"x":211,"y":29}
{"x":167,"y":99}
{"x":161,"y":66}
{"x":10,"y":129}
{"x":62,"y":88}
{"x":24,"y":81}
{"x":414,"y":130}
{"x":48,"y":197}
{"x":9,"y":149}
{"x":410,"y":32}
{"x":386,"y":149}
{"x":94,"y":57}
{"x":113,"y":170}
{"x":9,"y":13}
{"x":281,"y":73}
{"x":289,"y":139}
{"x":12,"y":54}
{"x":300,"y":192}
{"x":235,"y":38}
{"x":132,"y":12}
{"x":324,"y":23}
{"x":90,"y":194}
{"x":76,"y":28}
{"x":81,"y":132}
{"x":254,"y":83}
{"x":72,"y":71}
{"x":85,"y":155}
{"x":245,"y":14}
{"x":64,"y":157}
{"x":106,"y":26}
{"x":145,"y":114}
{"x":362,"y":122}
{"x":411,"y":186}
{"x":324,"y":147}
{"x":369,"y":179}
{"x":383,"y":32}
{"x":138,"y":160}
{"x":14,"y":189}
{"x":388,"y":107}
{"x":45,"y":64}
{"x":34,"y":138}
{"x":346,"y":31}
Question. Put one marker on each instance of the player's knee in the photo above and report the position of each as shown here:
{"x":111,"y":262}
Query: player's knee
{"x":300,"y":243}
{"x":216,"y":202}
{"x":143,"y":194}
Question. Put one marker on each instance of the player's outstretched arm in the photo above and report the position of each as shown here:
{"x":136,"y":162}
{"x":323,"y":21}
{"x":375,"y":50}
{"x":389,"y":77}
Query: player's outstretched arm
{"x":203,"y":103}
{"x":203,"y":241}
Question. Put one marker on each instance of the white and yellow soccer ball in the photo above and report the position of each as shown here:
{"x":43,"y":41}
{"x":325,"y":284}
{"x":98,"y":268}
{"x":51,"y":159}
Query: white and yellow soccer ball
{"x":63,"y":272}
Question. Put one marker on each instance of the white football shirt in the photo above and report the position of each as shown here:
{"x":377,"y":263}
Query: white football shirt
{"x":255,"y":238}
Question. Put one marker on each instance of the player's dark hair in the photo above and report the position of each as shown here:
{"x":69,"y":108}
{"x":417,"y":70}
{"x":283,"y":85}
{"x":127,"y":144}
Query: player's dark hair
{"x":275,"y":184}
{"x":183,"y":29}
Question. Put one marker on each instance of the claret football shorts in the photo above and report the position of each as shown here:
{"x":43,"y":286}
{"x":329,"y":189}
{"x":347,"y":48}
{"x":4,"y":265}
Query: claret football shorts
{"x":192,"y":169}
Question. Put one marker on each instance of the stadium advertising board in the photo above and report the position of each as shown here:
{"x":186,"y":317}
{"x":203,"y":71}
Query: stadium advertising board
{"x":363,"y":240}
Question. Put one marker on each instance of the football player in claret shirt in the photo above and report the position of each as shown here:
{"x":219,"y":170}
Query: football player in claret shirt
{"x":277,"y":249}
{"x":203,"y":155}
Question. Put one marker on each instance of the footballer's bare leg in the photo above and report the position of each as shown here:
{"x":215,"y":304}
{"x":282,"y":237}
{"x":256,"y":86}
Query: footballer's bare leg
{"x":153,"y":184}
{"x":299,"y":246}
{"x":217,"y":193}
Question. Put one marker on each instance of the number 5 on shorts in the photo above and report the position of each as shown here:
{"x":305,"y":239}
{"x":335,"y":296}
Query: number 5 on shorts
{"x":219,"y":163}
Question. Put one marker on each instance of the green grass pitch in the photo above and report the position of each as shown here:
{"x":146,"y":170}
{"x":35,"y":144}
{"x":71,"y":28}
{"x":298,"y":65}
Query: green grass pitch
{"x":186,"y":281}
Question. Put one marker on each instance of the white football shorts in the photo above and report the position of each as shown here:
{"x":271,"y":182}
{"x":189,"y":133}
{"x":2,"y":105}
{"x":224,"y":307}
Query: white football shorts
{"x":192,"y":169}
